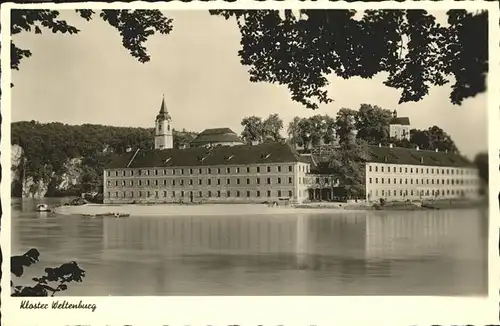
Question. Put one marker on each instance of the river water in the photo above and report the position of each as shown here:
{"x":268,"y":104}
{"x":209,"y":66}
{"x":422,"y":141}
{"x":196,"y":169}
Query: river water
{"x":370,"y":253}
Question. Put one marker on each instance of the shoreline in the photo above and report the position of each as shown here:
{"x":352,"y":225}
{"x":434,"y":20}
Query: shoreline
{"x":254,"y":209}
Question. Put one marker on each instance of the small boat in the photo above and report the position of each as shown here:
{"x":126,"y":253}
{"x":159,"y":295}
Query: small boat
{"x":42,"y":208}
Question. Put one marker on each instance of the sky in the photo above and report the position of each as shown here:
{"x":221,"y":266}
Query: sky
{"x":91,"y":78}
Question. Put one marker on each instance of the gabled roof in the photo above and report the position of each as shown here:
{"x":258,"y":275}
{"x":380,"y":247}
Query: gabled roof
{"x":405,"y":121}
{"x":398,"y":155}
{"x":197,"y":156}
{"x":216,"y":135}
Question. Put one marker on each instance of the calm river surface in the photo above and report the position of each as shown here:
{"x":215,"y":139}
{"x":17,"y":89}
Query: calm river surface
{"x":371,"y":253}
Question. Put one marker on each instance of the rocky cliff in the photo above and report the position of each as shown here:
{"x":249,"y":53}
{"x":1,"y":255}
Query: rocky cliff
{"x":51,"y":184}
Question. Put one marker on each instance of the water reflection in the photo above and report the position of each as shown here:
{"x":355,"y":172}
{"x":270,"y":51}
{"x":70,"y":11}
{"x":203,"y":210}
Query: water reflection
{"x":431,"y":252}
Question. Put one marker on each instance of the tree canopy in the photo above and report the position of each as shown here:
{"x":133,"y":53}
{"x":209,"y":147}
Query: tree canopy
{"x":134,"y":26}
{"x":301,"y":51}
{"x":410,"y":46}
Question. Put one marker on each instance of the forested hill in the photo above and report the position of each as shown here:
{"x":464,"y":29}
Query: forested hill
{"x":48,"y":149}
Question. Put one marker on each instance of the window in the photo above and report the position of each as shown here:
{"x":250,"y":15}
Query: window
{"x":279,"y":193}
{"x":199,"y":181}
{"x":376,"y":180}
{"x":140,"y":182}
{"x":190,"y":182}
{"x":269,"y":193}
{"x":218,"y":193}
{"x":248,"y":169}
{"x":228,"y":193}
{"x":237,"y":193}
{"x":289,"y":179}
{"x":218,"y":170}
{"x":248,"y":193}
{"x":200,"y":194}
{"x":209,"y":170}
{"x":279,"y":168}
{"x":237,"y":170}
{"x":164,"y":182}
{"x":389,"y":180}
{"x":268,"y":181}
{"x":258,"y":169}
{"x":406,"y":170}
{"x":116,"y":183}
{"x":228,"y":181}
{"x":290,"y":168}
{"x":268,"y":169}
{"x":182,"y":182}
{"x":182,"y":193}
{"x":411,"y":170}
{"x":156,"y":182}
{"x":190,"y":171}
{"x":199,"y":170}
{"x":156,"y":194}
{"x":376,"y":169}
{"x":258,"y":193}
{"x":382,"y":180}
{"x":290,"y":193}
{"x":228,"y":170}
{"x":108,"y":174}
{"x":218,"y":181}
{"x":382,"y":169}
{"x":370,"y":181}
{"x":209,"y":181}
{"x":238,"y":181}
{"x":383,"y":194}
{"x":156,"y":172}
{"x":248,"y":181}
{"x":258,"y":181}
{"x":147,"y":182}
{"x":279,"y":180}
{"x":209,"y":193}
{"x":173,"y":182}
{"x":370,"y":168}
{"x":173,"y":171}
{"x":140,"y":193}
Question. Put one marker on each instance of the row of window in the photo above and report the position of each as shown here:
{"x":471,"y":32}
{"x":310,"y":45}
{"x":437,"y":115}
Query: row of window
{"x":405,"y":193}
{"x":181,"y":182}
{"x":198,"y":194}
{"x":421,"y":170}
{"x":432,"y":181}
{"x":191,"y":171}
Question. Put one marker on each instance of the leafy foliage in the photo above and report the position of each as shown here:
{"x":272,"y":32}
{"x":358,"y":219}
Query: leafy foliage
{"x":432,"y":138}
{"x":55,"y":279}
{"x":301,"y":50}
{"x":481,"y":162}
{"x":257,"y":130}
{"x":134,"y":26}
{"x":372,"y":124}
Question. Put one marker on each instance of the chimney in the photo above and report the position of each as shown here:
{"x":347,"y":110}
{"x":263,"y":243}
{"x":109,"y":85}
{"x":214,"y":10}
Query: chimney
{"x":437,"y":150}
{"x":391,"y":145}
{"x":417,"y":148}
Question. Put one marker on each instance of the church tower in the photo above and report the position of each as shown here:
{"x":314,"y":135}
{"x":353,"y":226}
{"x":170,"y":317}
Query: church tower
{"x":163,"y":129}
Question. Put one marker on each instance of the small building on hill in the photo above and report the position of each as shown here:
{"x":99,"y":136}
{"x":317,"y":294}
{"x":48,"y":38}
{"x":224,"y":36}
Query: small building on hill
{"x":216,"y":137}
{"x":399,"y":127}
{"x":396,"y":174}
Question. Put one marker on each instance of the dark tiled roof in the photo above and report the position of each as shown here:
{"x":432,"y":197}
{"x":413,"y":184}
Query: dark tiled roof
{"x":398,"y":155}
{"x":400,"y":121}
{"x":197,"y":156}
{"x":217,"y":135}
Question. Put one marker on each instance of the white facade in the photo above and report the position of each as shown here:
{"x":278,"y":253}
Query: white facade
{"x":397,"y":182}
{"x":399,"y":131}
{"x":163,"y":134}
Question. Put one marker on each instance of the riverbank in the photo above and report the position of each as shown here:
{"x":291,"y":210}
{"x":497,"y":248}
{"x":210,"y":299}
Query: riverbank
{"x":184,"y":210}
{"x":258,"y":209}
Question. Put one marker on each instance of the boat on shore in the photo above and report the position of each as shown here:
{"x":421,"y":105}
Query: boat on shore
{"x":42,"y":208}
